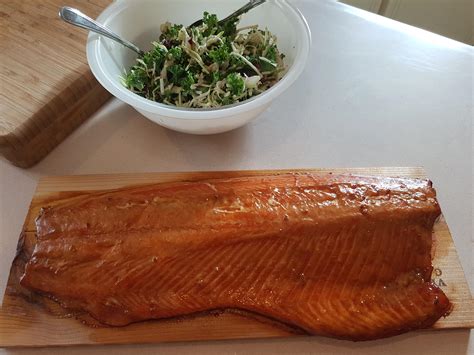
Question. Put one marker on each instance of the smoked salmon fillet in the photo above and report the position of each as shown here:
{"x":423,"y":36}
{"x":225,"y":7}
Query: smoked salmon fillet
{"x":336,"y":255}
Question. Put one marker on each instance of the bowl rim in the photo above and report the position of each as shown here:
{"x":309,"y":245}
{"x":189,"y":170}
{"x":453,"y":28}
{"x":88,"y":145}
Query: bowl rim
{"x":94,"y":41}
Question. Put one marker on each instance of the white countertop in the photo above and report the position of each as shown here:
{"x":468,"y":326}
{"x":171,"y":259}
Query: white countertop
{"x":375,"y":92}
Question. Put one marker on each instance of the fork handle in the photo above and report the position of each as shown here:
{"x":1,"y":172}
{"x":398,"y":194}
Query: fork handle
{"x":249,"y":6}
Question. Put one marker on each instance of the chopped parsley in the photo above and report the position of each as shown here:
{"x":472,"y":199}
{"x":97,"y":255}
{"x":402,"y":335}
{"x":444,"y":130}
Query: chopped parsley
{"x":207,"y":66}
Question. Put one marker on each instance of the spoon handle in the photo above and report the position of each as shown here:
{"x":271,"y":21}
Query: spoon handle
{"x":77,"y":18}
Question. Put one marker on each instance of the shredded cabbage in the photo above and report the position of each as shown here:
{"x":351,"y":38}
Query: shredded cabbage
{"x":211,"y":65}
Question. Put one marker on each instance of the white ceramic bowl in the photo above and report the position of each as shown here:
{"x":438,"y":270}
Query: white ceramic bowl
{"x":139,"y":21}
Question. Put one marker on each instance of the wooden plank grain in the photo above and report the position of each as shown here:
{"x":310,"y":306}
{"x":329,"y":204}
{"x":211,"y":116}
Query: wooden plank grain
{"x":449,"y":275}
{"x":47,"y":87}
{"x":24,"y":323}
{"x":51,"y":184}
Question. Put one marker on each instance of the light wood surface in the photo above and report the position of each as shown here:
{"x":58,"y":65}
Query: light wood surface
{"x":47,"y":87}
{"x":26,"y":324}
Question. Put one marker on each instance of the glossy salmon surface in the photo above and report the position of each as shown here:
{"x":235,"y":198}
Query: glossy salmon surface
{"x":336,"y":255}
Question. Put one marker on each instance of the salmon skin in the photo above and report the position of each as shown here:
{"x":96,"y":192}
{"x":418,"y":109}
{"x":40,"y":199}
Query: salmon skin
{"x":336,"y":255}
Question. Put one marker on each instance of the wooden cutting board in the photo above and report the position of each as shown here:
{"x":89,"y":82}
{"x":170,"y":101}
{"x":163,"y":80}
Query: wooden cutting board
{"x":27,"y":324}
{"x":47,"y":89}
